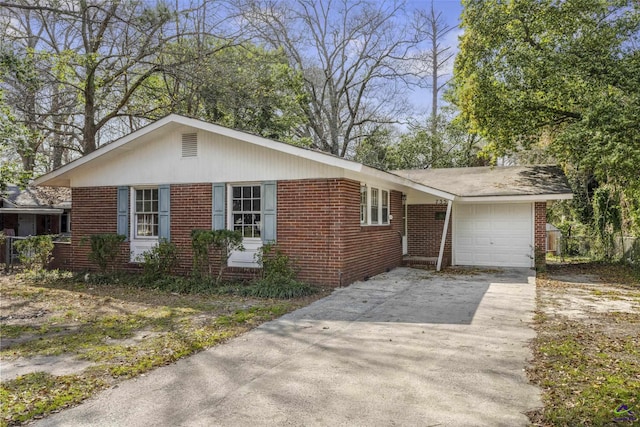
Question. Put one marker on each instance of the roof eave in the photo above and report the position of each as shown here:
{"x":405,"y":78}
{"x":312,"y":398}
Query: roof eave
{"x":515,"y":198}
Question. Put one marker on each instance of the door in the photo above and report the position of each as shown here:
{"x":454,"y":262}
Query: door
{"x":498,"y":235}
{"x":26,"y":225}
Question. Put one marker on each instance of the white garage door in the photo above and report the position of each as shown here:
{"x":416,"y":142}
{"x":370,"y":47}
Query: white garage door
{"x":493,"y":234}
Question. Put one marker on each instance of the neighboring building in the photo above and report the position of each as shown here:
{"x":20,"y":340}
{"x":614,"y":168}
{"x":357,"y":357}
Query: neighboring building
{"x":34,"y":211}
{"x":338,"y":220}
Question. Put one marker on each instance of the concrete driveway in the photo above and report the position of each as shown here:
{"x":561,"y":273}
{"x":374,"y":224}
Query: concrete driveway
{"x":409,"y":347}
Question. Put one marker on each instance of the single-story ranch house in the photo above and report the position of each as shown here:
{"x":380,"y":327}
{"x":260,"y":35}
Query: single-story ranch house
{"x":338,"y":220}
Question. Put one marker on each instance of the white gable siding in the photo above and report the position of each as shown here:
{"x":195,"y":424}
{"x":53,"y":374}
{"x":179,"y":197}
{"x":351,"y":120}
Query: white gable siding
{"x":220,"y":159}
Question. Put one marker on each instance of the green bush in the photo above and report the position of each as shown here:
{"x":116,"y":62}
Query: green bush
{"x":105,"y":248}
{"x":35,"y":252}
{"x":204,"y":242}
{"x":281,"y":290}
{"x":160,"y":261}
{"x":278,"y":277}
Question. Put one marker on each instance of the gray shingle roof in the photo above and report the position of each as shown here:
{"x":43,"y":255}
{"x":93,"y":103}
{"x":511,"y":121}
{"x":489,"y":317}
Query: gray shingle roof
{"x":38,"y":197}
{"x":493,"y":181}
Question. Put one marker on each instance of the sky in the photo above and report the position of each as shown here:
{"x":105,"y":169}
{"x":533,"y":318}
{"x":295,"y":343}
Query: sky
{"x":451,"y":10}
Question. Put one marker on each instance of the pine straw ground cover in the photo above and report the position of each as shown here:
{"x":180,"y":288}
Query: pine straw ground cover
{"x":107,"y":333}
{"x":587,"y":350}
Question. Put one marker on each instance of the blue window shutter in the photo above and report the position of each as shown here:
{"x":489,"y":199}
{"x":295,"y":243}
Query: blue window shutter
{"x":123,"y":211}
{"x":164,"y":212}
{"x":218,"y":206}
{"x":269,"y":203}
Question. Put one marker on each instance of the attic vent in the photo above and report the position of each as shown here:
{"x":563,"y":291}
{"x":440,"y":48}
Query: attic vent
{"x":189,"y":144}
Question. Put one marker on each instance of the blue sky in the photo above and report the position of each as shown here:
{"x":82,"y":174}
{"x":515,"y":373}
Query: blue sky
{"x":451,"y":10}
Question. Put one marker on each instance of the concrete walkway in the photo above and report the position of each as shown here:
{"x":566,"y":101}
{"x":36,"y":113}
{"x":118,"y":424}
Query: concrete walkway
{"x":405,"y":348}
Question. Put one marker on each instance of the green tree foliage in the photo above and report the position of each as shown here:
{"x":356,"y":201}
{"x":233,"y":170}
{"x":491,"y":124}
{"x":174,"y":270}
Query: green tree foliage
{"x":562,"y":75}
{"x":243,"y":86}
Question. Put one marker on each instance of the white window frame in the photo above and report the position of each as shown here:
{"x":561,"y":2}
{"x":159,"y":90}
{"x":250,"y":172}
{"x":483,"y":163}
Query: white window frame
{"x":134,"y":214}
{"x":252,"y":245}
{"x":374,"y":206}
{"x":139,"y":244}
{"x":377,"y":193}
{"x":243,"y":212}
{"x":364,"y":205}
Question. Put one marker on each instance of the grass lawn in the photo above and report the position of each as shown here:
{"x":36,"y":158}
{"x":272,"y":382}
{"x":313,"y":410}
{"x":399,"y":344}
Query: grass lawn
{"x":108,"y":332}
{"x":587,"y":350}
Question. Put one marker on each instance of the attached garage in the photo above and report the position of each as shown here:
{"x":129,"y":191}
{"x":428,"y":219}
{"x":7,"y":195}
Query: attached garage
{"x":496,"y":217}
{"x":493,"y":234}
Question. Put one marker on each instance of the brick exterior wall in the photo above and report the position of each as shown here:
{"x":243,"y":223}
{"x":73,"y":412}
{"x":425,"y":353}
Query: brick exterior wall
{"x":61,"y":256}
{"x":540,"y":233}
{"x":424,"y":232}
{"x":94,"y":212}
{"x":319,"y":228}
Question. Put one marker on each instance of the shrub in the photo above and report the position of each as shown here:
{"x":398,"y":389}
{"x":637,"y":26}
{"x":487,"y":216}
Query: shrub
{"x":105,"y":248}
{"x":276,"y":266}
{"x":282,"y":290}
{"x":204,"y":241}
{"x":35,"y":252}
{"x":160,"y":261}
{"x":278,"y":277}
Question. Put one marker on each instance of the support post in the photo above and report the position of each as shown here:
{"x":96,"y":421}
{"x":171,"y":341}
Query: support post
{"x":444,"y":235}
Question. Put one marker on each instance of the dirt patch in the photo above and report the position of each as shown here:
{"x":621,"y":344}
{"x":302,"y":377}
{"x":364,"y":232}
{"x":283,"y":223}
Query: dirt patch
{"x":587,"y":352}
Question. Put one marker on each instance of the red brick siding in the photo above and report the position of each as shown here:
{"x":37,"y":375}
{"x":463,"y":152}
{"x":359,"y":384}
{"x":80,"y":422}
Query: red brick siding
{"x":540,"y":233}
{"x":94,"y":212}
{"x":61,"y":256}
{"x":190,"y":209}
{"x":425,"y":232}
{"x":319,"y":228}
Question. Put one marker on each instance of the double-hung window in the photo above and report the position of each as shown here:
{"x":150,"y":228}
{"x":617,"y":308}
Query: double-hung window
{"x":246,"y":210}
{"x":146,"y":212}
{"x":374,"y":206}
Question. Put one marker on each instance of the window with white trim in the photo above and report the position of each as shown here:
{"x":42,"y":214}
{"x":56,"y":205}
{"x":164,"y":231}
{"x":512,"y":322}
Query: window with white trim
{"x":246,"y":210}
{"x":146,"y":212}
{"x":363,"y":204}
{"x":385,"y":207}
{"x":374,"y":206}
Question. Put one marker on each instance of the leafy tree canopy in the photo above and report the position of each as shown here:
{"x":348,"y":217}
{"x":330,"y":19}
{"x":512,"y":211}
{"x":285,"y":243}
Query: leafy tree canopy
{"x":564,"y":75}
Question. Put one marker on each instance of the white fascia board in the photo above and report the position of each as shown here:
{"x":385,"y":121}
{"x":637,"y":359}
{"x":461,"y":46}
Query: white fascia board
{"x":514,"y":199}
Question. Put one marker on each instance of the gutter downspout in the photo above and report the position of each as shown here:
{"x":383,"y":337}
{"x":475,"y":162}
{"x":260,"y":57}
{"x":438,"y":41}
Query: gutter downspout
{"x":444,"y":236}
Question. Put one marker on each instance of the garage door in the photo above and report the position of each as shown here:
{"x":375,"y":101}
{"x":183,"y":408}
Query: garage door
{"x":493,"y":235}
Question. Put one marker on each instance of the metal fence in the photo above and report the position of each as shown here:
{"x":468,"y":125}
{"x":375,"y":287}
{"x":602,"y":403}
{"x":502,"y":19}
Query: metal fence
{"x":11,"y":256}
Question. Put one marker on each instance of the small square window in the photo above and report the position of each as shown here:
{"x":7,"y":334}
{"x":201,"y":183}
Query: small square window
{"x":441,"y":216}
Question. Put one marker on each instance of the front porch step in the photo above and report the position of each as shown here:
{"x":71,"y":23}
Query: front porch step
{"x":419,"y":261}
